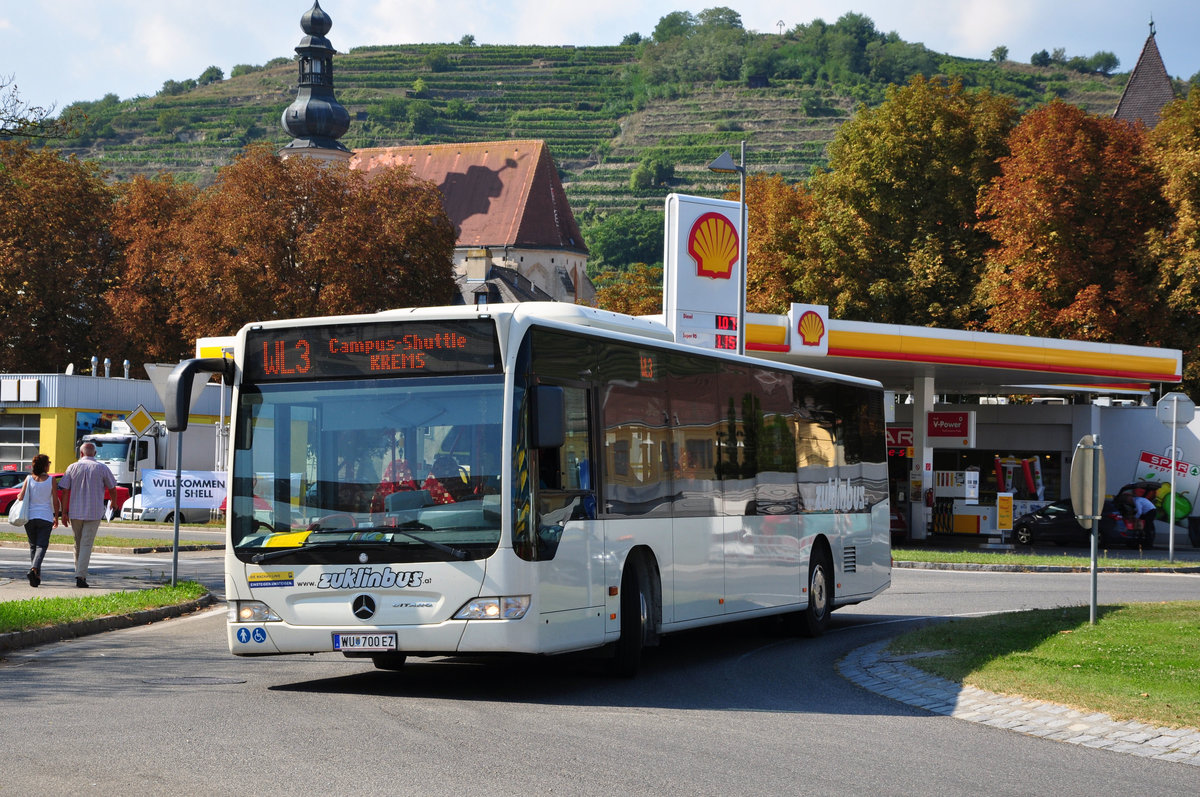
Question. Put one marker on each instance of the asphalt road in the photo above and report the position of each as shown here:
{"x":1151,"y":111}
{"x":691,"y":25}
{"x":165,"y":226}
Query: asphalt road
{"x":164,"y":709}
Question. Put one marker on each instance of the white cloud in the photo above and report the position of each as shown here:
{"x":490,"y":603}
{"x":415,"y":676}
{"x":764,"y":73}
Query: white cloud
{"x":979,"y":26}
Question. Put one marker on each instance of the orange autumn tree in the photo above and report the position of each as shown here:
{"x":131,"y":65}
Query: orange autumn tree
{"x":635,"y":291}
{"x":276,"y":238}
{"x":148,"y":220}
{"x":777,"y":213}
{"x":1175,"y":149}
{"x":57,"y":259}
{"x":1070,"y":213}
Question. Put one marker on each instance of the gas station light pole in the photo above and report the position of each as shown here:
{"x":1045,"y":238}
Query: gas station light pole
{"x":724,"y":165}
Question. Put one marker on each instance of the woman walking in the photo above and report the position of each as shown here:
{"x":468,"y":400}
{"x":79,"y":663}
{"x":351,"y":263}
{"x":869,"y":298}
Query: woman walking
{"x":44,"y":509}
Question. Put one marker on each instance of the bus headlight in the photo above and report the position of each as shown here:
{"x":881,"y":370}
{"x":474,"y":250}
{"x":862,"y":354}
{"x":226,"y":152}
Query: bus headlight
{"x":252,"y":612}
{"x":507,"y":607}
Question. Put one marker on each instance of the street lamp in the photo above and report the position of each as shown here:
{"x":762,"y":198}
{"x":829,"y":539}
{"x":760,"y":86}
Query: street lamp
{"x":725,"y":165}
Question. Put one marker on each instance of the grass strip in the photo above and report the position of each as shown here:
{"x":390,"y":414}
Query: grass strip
{"x":24,"y":615}
{"x":1140,"y":661}
{"x":106,"y":542}
{"x":1025,"y":559}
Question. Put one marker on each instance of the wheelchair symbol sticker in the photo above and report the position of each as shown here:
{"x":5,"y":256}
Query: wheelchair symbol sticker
{"x":260,"y":635}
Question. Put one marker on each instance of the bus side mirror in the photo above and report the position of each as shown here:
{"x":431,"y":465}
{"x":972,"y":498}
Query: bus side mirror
{"x":187,"y":378}
{"x":547,"y":422}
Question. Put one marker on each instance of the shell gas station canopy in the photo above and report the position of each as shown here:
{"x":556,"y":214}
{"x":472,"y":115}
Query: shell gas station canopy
{"x":958,"y":361}
{"x":702,"y":274}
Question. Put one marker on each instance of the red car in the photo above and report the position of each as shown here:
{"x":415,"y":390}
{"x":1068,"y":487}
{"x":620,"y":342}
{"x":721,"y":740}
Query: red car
{"x":9,"y":494}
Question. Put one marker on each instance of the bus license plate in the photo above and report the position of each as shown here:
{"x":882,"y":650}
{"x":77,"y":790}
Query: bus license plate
{"x":364,"y":641}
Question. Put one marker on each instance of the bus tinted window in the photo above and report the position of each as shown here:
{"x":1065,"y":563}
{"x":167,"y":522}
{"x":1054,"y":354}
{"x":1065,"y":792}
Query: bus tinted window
{"x":695,"y":423}
{"x":637,"y":467}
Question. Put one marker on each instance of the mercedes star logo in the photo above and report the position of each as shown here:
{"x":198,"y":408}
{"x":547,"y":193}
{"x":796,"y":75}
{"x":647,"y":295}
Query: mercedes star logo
{"x":363,"y":607}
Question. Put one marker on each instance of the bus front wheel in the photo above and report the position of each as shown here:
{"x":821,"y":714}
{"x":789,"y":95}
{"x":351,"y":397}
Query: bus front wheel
{"x":635,"y":620}
{"x":820,"y":595}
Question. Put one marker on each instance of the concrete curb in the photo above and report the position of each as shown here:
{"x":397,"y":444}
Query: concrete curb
{"x":15,"y":640}
{"x":113,"y":549}
{"x":1040,"y":568}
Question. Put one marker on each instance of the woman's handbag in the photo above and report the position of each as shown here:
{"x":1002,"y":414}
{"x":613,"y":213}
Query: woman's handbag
{"x":18,"y":513}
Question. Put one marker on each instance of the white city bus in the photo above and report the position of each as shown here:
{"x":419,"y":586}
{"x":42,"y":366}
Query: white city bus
{"x":534,"y":478}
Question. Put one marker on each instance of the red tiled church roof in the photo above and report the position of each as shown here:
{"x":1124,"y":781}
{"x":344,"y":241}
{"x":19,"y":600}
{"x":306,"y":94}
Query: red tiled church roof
{"x":1148,"y":90}
{"x":497,"y":193}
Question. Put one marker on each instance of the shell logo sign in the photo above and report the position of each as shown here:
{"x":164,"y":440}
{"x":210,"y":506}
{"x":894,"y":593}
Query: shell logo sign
{"x":701,"y":269}
{"x":713,"y":244}
{"x":811,"y":328}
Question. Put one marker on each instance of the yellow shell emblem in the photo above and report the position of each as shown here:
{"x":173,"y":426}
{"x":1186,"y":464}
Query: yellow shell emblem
{"x":811,"y":328}
{"x":713,"y":244}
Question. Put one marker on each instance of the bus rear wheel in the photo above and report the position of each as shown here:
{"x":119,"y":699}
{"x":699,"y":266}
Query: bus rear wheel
{"x":635,"y":620}
{"x":815,"y":619}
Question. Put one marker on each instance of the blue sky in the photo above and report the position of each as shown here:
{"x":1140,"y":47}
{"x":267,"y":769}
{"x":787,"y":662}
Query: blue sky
{"x":60,"y":51}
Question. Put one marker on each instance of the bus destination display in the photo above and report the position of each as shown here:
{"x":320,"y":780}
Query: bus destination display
{"x":400,"y":348}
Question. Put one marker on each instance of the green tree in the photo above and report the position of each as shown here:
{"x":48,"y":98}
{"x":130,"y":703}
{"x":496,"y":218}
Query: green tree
{"x":211,"y":75}
{"x":170,"y":120}
{"x":619,"y":240}
{"x":895,"y":238}
{"x":719,"y":17}
{"x":654,"y":170}
{"x":1070,"y":212}
{"x":57,"y":258}
{"x":675,"y":25}
{"x":1000,"y":54}
{"x":468,"y":40}
{"x":173,"y":87}
{"x":1104,"y":62}
{"x":437,"y":61}
{"x":1040,"y":58}
{"x":422,"y":117}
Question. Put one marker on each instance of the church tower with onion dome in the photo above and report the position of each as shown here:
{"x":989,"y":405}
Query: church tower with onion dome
{"x":315,"y":119}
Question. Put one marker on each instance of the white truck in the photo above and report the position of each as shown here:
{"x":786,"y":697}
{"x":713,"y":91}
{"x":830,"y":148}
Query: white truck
{"x":155,"y":450}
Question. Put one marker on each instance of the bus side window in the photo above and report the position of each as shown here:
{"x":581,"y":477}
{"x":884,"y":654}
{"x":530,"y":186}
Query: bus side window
{"x":549,"y":474}
{"x":564,"y":476}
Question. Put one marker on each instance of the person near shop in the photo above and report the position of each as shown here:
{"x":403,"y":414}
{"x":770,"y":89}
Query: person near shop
{"x":84,"y":486}
{"x":1145,"y":510}
{"x":44,"y":509}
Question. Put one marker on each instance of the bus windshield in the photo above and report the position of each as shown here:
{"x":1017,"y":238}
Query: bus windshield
{"x":399,"y":470}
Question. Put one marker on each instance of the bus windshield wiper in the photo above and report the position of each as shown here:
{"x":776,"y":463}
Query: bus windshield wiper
{"x":282,"y":552}
{"x":449,"y":550}
{"x":456,"y":553}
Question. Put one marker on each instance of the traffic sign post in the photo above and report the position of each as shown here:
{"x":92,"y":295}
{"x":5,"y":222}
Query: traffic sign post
{"x":1174,"y":409}
{"x":1088,"y":477}
{"x":140,"y":422}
